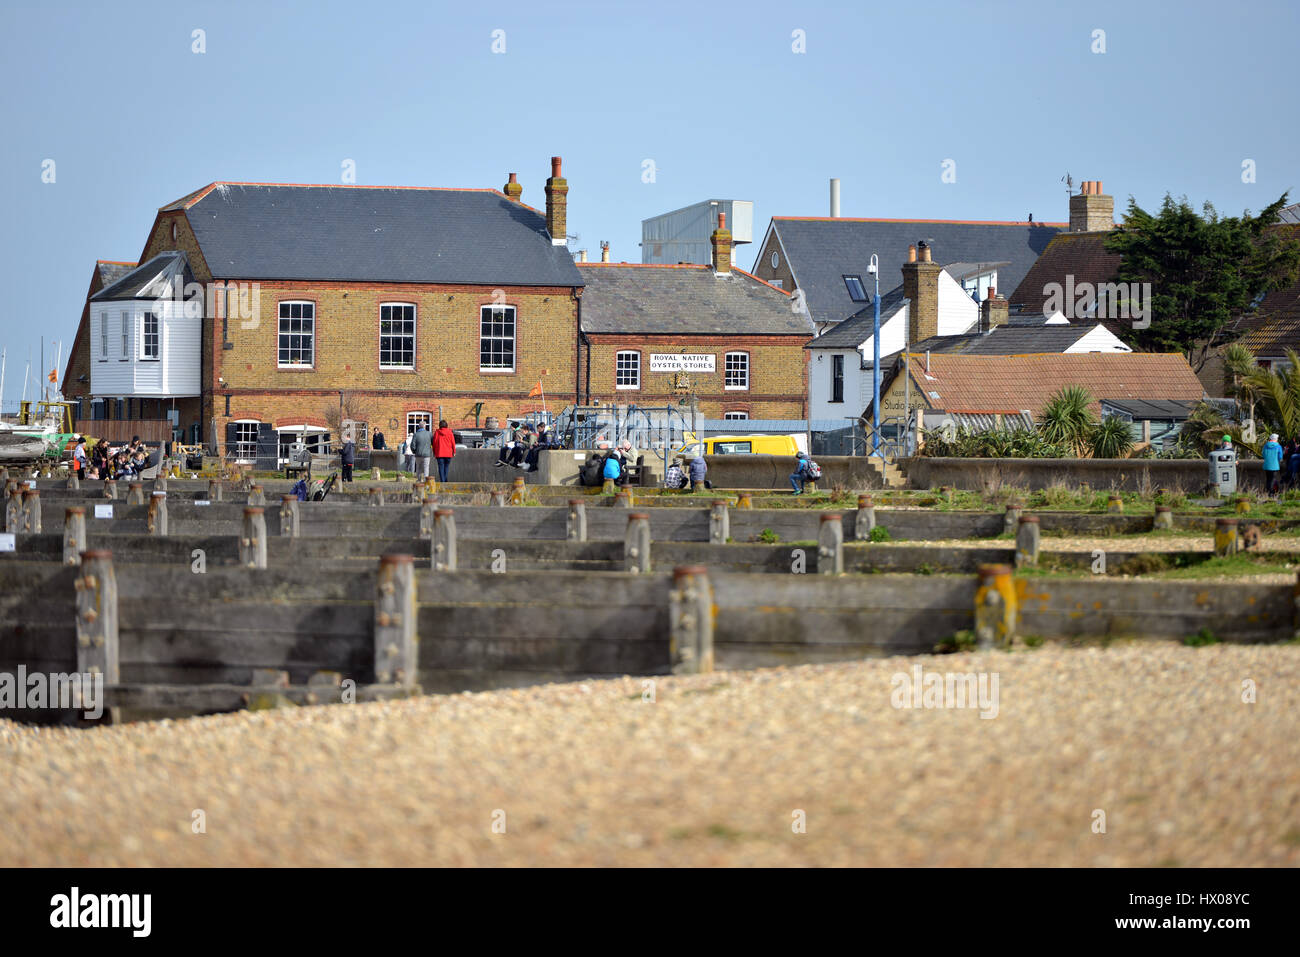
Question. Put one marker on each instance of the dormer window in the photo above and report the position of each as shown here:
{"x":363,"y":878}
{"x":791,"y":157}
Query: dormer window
{"x":857,"y":292}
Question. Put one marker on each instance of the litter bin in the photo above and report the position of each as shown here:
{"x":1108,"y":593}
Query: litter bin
{"x":1223,"y":470}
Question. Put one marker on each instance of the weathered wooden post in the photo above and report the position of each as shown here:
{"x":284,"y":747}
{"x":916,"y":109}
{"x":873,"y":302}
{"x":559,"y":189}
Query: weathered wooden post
{"x":74,"y":534}
{"x":1164,"y":517}
{"x":376,"y":496}
{"x":289,"y":516}
{"x":431,"y":486}
{"x":1225,"y":537}
{"x":32,"y":512}
{"x":996,"y":607}
{"x":74,"y":482}
{"x":252,"y":543}
{"x":636,"y":543}
{"x":4,"y":475}
{"x":14,"y":512}
{"x":157,"y":519}
{"x":395,"y":620}
{"x":865,"y":520}
{"x":1011,"y":520}
{"x":256,"y":496}
{"x":444,"y":557}
{"x":160,"y":483}
{"x":110,"y":489}
{"x":134,"y":493}
{"x":214,"y":490}
{"x":1115,"y":504}
{"x":426,"y":520}
{"x":719,"y":522}
{"x":575,"y":529}
{"x":499,"y":498}
{"x":1028,"y":537}
{"x":744,"y":500}
{"x":97,"y":639}
{"x":517,"y":492}
{"x":419,"y":493}
{"x":623,"y":499}
{"x":607,"y":487}
{"x":690,"y":614}
{"x":1295,"y":604}
{"x":830,"y":544}
{"x":1242,"y":506}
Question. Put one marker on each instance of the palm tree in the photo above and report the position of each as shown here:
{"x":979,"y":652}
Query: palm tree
{"x":1277,"y":394}
{"x":1112,"y":439}
{"x":1068,"y":419}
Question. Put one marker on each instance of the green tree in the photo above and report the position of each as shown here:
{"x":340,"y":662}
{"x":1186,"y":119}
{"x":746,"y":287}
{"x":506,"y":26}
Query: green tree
{"x":1206,"y":271}
{"x":1068,"y":420}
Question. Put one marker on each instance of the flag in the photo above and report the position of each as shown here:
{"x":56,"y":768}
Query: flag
{"x":54,"y":376}
{"x":536,"y":390}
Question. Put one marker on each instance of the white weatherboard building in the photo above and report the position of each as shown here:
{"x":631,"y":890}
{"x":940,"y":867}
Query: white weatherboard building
{"x":145,"y":337}
{"x":683,"y":236}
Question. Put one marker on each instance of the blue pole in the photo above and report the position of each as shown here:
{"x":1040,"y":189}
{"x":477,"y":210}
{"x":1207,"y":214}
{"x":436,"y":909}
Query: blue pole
{"x":875,"y":373}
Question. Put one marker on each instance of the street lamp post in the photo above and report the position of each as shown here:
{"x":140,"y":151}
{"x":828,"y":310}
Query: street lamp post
{"x":874,"y":269}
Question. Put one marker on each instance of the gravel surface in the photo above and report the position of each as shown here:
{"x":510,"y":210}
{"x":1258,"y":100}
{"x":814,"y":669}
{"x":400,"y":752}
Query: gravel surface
{"x":711,"y":772}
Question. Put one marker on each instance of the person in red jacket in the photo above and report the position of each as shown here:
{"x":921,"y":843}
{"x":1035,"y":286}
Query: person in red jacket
{"x":444,"y":447}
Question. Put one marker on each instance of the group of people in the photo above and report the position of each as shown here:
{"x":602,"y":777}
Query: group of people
{"x":523,"y":446}
{"x":106,"y":462}
{"x":680,"y":474}
{"x":1281,"y":462}
{"x":415,"y":451}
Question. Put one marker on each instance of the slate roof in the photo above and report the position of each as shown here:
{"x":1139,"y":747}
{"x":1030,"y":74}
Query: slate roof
{"x":960,"y":271}
{"x":857,"y":329}
{"x":622,"y":298}
{"x":111,"y":271}
{"x":374,"y":234}
{"x":1289,"y":214}
{"x":822,"y":250}
{"x":1274,"y":327}
{"x":1012,"y":383}
{"x":1007,"y":340}
{"x":1081,"y":255}
{"x":1140,"y":409}
{"x":150,"y":279}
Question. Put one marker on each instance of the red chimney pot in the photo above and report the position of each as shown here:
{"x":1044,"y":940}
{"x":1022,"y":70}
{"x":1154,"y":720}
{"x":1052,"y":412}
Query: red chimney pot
{"x":555,"y":166}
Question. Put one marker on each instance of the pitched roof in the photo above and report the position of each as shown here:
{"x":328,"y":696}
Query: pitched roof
{"x":1007,"y":340}
{"x":151,"y":280}
{"x":821,"y":251}
{"x":684,"y":300}
{"x":1274,"y":326}
{"x":858,"y":328}
{"x":1289,"y":214}
{"x":1081,"y":255}
{"x":960,"y":271}
{"x":374,"y":234}
{"x":111,"y":271}
{"x":962,"y":383}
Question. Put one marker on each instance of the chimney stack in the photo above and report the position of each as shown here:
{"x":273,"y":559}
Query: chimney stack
{"x":604,"y":250}
{"x":993,"y":311}
{"x":582,"y":255}
{"x":1090,"y":210}
{"x":721,"y":240}
{"x":513,"y":190}
{"x":835,"y":199}
{"x":921,"y":288}
{"x":557,"y":204}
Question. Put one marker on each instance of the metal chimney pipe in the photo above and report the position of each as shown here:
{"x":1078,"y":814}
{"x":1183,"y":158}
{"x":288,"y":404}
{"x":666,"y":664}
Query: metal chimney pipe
{"x":835,"y":198}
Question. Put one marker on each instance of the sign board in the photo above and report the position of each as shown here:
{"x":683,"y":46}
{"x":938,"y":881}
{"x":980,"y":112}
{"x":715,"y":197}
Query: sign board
{"x":31,"y":483}
{"x":202,"y":501}
{"x":683,"y":362}
{"x":6,"y":542}
{"x":103,"y":511}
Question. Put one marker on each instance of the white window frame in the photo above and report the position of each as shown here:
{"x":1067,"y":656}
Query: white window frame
{"x":398,"y":366}
{"x":736,"y":416}
{"x":728,"y":372}
{"x":126,"y":336}
{"x":862,"y":287}
{"x":779,"y":283}
{"x":413,"y":420}
{"x":280,"y":334}
{"x":103,"y":334}
{"x":299,"y":433}
{"x":242,"y":444}
{"x":513,"y":337}
{"x":144,"y":337}
{"x":634,"y":369}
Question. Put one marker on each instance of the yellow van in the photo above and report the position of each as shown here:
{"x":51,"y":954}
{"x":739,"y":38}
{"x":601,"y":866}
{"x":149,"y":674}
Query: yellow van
{"x":743,"y":445}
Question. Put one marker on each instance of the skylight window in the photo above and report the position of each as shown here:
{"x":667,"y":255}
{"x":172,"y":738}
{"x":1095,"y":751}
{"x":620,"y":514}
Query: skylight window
{"x":857,"y":292}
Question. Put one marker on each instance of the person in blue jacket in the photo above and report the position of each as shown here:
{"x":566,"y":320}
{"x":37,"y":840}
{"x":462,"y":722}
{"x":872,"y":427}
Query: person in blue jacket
{"x":800,"y":473}
{"x":1272,"y":452}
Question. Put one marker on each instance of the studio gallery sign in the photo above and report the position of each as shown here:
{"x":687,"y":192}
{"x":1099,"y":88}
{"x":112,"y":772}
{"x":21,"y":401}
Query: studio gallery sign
{"x":682,"y":362}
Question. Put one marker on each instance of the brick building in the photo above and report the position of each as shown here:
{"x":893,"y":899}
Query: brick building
{"x":656,"y":334}
{"x":382,"y":306}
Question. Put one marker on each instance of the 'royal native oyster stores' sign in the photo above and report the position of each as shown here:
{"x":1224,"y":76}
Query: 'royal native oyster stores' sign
{"x":674,"y":362}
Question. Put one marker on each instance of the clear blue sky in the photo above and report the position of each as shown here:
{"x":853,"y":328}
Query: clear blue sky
{"x":713,"y":94}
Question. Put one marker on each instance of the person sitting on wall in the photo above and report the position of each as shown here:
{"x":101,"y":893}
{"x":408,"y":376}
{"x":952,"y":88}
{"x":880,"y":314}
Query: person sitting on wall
{"x":675,"y":475}
{"x":800,"y":475}
{"x":699,"y":469}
